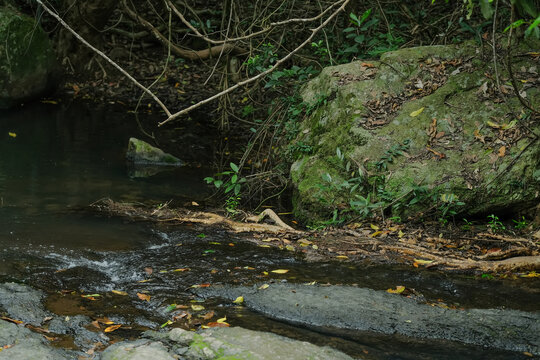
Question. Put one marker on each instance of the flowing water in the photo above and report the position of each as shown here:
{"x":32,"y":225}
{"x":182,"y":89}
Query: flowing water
{"x":55,"y":160}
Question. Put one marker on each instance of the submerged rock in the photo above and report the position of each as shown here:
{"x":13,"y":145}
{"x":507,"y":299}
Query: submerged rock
{"x":22,"y":303}
{"x":141,"y":153}
{"x":28,"y":66}
{"x":219,"y":343}
{"x":422,"y":129}
{"x":353,"y":308}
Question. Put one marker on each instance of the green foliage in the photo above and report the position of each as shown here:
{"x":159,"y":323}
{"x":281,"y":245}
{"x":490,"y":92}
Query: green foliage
{"x":494,"y":224}
{"x":230,"y":183}
{"x":520,"y":223}
{"x":261,"y":62}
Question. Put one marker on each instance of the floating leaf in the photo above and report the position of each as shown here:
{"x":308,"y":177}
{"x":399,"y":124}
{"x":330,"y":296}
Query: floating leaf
{"x":90,"y":295}
{"x":216,"y":324}
{"x":119,"y":292}
{"x":280,"y":271}
{"x":238,"y":300}
{"x":399,"y":289}
{"x":112,"y":328}
{"x":264,"y":286}
{"x":222,"y":320}
{"x":12,"y":134}
{"x":197,"y":307}
{"x":144,"y":297}
{"x":417,"y":112}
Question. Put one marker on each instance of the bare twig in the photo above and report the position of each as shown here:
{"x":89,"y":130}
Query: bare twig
{"x":261,"y":75}
{"x":270,"y":27}
{"x":100,"y":53}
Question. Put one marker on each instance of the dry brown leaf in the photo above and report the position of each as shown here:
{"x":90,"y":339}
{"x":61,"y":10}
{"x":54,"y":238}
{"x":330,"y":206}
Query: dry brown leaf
{"x":112,"y":328}
{"x":144,"y":297}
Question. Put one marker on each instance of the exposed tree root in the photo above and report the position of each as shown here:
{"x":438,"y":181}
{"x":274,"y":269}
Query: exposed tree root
{"x":483,"y":253}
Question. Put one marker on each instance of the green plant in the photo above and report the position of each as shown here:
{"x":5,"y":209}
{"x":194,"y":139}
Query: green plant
{"x":321,"y":51}
{"x":468,"y":224}
{"x":494,"y":224}
{"x":230,"y":183}
{"x":448,"y":207}
{"x":263,"y":61}
{"x":520,"y":223}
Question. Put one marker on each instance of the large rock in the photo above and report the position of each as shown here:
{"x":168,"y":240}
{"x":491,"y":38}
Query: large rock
{"x":142,"y":153}
{"x":219,"y":343}
{"x":353,"y":308}
{"x":423,"y":128}
{"x":19,"y":343}
{"x":28,"y":66}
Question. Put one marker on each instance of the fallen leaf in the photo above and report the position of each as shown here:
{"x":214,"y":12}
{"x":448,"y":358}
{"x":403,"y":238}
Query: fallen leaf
{"x":12,"y":134}
{"x":280,"y":271}
{"x":197,"y":307}
{"x":181,"y":270}
{"x":144,"y":297}
{"x":374,"y":227}
{"x":11,"y":320}
{"x":149,"y":270}
{"x":398,"y":290}
{"x":217,"y":324}
{"x":119,"y":292}
{"x":423,"y":262}
{"x":168,"y":322}
{"x":200,"y":286}
{"x":207,"y":316}
{"x":417,"y":112}
{"x":239,"y":300}
{"x":264,"y":286}
{"x":502,"y":151}
{"x":344,"y":257}
{"x":112,"y":328}
{"x":222,"y":320}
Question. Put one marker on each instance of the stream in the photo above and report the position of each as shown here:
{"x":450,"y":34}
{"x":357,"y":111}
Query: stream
{"x":57,"y":159}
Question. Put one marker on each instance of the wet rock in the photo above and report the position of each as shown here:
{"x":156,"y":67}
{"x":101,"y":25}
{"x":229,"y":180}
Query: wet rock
{"x":137,"y":350}
{"x":23,"y":303}
{"x":21,"y":344}
{"x":75,"y":326}
{"x":28,"y":66}
{"x":378,"y":311}
{"x":219,"y":343}
{"x":142,"y":153}
{"x":424,"y":117}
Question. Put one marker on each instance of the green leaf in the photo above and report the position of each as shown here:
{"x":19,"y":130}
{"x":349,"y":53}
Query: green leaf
{"x":218,"y":183}
{"x":229,"y":188}
{"x":209,"y":180}
{"x":170,"y":307}
{"x":533,"y":26}
{"x":237,"y":189}
{"x":234,"y":178}
{"x":234,"y":167}
{"x":487,"y":10}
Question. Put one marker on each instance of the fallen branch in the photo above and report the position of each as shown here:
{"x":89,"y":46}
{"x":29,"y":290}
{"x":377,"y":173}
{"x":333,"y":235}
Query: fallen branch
{"x":272,"y":215}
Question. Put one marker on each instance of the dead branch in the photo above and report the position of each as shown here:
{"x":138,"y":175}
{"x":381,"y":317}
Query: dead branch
{"x":261,"y":75}
{"x":100,"y":53}
{"x":184,"y":53}
{"x":249,"y":36}
{"x":272,"y":215}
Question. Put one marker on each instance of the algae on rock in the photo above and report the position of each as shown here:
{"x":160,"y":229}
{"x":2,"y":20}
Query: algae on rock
{"x":462,"y":140}
{"x":28,"y":66}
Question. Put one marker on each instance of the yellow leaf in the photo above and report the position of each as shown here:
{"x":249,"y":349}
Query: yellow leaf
{"x":143,"y":281}
{"x":144,"y":297}
{"x":417,"y":112}
{"x":197,"y":307}
{"x":289,"y":247}
{"x":119,"y":292}
{"x":400,"y":234}
{"x":376,"y":233}
{"x":510,"y":125}
{"x":222,"y":320}
{"x":280,"y":271}
{"x":264,"y":286}
{"x":265,"y":272}
{"x":423,"y":262}
{"x":342,"y":257}
{"x":399,"y":289}
{"x":531,"y":274}
{"x":374,"y":227}
{"x":112,"y":328}
{"x":238,"y":300}
{"x":264,"y":246}
{"x":315,"y":247}
{"x":182,"y":269}
{"x":12,"y":134}
{"x":49,"y":102}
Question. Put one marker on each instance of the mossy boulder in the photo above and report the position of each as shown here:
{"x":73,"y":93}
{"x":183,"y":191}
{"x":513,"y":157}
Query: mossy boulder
{"x":142,"y":153}
{"x":28,"y":66}
{"x":422,"y":130}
